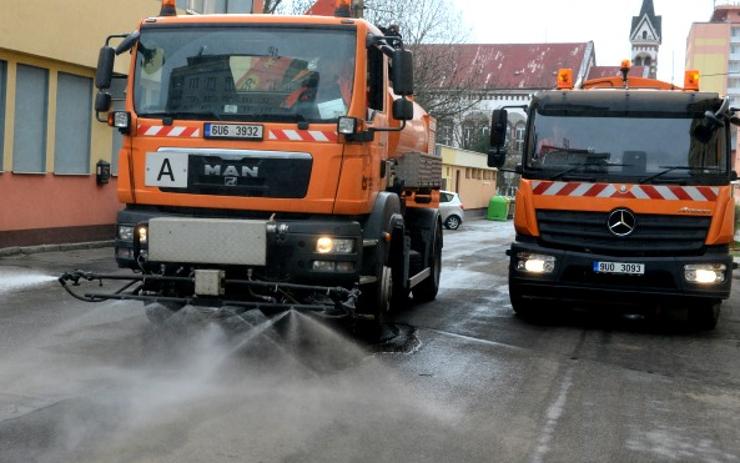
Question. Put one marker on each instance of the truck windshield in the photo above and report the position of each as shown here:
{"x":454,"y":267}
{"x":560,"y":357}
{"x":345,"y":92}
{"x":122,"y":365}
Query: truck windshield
{"x":245,"y":73}
{"x":641,"y":149}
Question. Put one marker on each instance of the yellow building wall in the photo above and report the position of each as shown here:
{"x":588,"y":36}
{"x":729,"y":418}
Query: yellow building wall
{"x":707,"y":50}
{"x":467,"y":173}
{"x":70,"y":31}
{"x":63,"y":36}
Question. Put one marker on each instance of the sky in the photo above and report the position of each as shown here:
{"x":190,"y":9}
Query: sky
{"x":606,"y":22}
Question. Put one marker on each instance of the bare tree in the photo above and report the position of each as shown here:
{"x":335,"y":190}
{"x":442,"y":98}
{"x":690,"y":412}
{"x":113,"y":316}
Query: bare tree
{"x":429,"y":27}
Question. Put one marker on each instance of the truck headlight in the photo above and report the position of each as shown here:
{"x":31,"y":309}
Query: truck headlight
{"x":538,"y":264}
{"x":705,"y":274}
{"x":328,"y":245}
{"x":126,"y":233}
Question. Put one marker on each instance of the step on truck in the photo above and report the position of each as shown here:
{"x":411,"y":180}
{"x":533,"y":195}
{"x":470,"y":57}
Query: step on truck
{"x":625,"y":196}
{"x":273,"y":163}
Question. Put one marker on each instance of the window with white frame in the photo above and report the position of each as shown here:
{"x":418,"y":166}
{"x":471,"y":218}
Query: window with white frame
{"x":444,"y":133}
{"x":519,"y":136}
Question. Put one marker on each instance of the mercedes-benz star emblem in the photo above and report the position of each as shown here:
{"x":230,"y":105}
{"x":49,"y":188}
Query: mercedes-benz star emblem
{"x":622,"y":222}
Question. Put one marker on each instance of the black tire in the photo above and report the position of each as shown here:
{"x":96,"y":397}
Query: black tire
{"x":453,"y":222}
{"x":427,"y":290}
{"x":523,"y":307}
{"x":375,"y":302}
{"x":704,"y":316}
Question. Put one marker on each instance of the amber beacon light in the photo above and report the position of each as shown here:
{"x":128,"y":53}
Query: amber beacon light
{"x":168,"y":8}
{"x":565,"y":79}
{"x":691,"y":80}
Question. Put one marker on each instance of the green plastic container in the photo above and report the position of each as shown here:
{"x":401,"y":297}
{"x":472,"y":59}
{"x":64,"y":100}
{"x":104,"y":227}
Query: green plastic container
{"x":498,"y":209}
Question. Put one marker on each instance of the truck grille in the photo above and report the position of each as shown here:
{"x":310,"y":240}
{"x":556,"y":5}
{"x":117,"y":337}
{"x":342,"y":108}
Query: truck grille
{"x":654,"y":235}
{"x":246,"y":173}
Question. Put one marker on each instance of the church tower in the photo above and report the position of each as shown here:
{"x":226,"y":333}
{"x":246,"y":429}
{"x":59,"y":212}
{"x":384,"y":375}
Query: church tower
{"x":646,"y":37}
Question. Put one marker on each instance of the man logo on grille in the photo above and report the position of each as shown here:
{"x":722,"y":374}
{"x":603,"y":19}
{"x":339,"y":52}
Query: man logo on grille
{"x":622,"y":222}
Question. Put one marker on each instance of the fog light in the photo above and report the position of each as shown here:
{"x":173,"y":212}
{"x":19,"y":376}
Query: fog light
{"x":324,"y":266}
{"x":126,"y":233}
{"x":535,"y":263}
{"x":705,"y":274}
{"x":345,"y":267}
{"x":124,"y":253}
{"x":142,"y":233}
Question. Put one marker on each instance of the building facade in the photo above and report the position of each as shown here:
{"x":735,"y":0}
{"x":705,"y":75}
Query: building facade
{"x":713,"y":48}
{"x":467,"y":174}
{"x":49,"y":141}
{"x":507,"y":76}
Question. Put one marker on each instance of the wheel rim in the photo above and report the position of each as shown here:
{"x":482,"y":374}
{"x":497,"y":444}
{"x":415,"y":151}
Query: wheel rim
{"x":453,"y":222}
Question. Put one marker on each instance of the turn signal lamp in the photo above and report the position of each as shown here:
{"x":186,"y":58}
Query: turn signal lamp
{"x":565,"y":79}
{"x":691,"y":80}
{"x":169,"y":8}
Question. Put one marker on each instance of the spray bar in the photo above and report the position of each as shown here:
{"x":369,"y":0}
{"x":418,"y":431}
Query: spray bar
{"x":342,"y":306}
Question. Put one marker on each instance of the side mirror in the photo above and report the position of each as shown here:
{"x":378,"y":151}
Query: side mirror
{"x":496,"y":158}
{"x":103,"y":102}
{"x":104,"y":74}
{"x":403,"y":72}
{"x":128,"y":43}
{"x":403,"y":110}
{"x":713,"y":120}
{"x":499,"y":126}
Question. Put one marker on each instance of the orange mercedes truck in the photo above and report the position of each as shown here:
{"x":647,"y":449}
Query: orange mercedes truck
{"x":625,"y":196}
{"x":272,"y":162}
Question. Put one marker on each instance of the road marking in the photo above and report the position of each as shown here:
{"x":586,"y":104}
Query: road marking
{"x":554,"y":412}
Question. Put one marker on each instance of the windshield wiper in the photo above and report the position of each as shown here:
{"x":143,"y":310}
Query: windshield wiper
{"x":577,"y":167}
{"x":669,"y":169}
{"x":185,"y":114}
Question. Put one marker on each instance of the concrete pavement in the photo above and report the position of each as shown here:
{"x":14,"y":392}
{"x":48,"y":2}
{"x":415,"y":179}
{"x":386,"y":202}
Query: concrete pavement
{"x":97,"y":383}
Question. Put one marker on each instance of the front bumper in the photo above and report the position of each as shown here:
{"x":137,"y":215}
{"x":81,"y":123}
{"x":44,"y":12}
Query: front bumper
{"x":290,"y":249}
{"x":574,"y":278}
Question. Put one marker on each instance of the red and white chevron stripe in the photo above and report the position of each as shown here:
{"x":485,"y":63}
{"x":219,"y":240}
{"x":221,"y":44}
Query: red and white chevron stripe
{"x":168,"y":131}
{"x":611,"y":190}
{"x":321,"y":136}
{"x":303,"y":135}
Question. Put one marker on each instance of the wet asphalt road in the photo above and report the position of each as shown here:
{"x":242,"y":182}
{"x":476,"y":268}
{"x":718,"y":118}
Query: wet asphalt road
{"x":97,"y":383}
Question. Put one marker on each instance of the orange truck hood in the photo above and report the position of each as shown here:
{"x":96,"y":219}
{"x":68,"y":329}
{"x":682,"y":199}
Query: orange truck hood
{"x":698,"y":201}
{"x":151,"y":135}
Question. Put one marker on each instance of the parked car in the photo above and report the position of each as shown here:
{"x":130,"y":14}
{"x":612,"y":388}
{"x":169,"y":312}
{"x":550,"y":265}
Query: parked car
{"x":451,"y":209}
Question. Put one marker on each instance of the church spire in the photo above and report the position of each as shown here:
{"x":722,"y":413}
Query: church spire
{"x":646,"y":37}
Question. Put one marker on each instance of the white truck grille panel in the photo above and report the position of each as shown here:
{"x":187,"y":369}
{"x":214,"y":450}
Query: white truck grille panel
{"x":208,"y":241}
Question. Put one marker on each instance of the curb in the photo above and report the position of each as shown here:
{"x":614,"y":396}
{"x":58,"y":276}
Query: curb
{"x":15,"y":251}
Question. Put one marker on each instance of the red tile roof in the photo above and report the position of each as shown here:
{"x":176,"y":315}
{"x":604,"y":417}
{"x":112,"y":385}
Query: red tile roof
{"x":511,"y":66}
{"x":598,"y":72}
